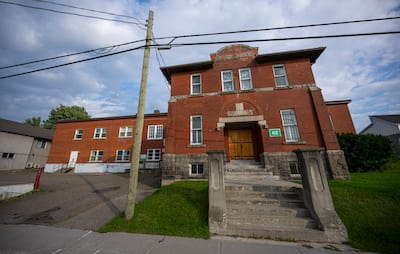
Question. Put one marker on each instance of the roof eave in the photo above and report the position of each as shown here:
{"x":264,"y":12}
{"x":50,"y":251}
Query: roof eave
{"x":312,"y":54}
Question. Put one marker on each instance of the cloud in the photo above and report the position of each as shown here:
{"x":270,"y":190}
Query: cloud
{"x":364,"y":69}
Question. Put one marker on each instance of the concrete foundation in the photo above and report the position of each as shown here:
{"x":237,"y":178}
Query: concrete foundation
{"x":278,"y":163}
{"x":177,"y":167}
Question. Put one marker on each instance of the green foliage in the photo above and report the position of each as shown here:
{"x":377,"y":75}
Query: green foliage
{"x":65,"y":113}
{"x":368,"y":205}
{"x":34,"y":121}
{"x":179,"y":209}
{"x":365,"y":152}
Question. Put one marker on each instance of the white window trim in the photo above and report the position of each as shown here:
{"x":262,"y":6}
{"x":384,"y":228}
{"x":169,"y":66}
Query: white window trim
{"x":154,"y":150}
{"x":76,"y":133}
{"x":240,"y":78}
{"x":278,"y":76}
{"x":155,"y":132}
{"x":191,"y":84}
{"x":297,"y":127}
{"x":102,"y":130}
{"x":124,"y":130}
{"x":191,"y":129}
{"x":125,"y":152}
{"x":222,"y":81}
{"x":197,"y":174}
{"x":96,"y":156}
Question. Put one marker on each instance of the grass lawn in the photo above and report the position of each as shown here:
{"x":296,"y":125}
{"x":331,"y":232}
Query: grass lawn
{"x":179,"y":209}
{"x":369,"y":206}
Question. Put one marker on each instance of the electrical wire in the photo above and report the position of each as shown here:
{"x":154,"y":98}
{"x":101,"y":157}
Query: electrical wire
{"x":92,"y":10}
{"x":72,"y":54}
{"x":70,"y":13}
{"x":208,"y":43}
{"x":74,"y":62}
{"x":280,"y":28}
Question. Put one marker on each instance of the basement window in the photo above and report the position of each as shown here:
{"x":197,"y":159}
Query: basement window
{"x":294,"y":168}
{"x":197,"y":169}
{"x":8,"y":156}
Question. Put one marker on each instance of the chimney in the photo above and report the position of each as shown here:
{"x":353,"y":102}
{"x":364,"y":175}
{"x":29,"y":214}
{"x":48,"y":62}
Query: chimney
{"x":156,"y":111}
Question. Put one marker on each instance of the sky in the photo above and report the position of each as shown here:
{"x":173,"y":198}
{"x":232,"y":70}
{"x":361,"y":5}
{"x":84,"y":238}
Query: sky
{"x":365,"y":70}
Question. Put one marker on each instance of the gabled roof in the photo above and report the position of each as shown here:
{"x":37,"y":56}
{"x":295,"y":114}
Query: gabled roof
{"x":389,"y":118}
{"x":25,"y":129}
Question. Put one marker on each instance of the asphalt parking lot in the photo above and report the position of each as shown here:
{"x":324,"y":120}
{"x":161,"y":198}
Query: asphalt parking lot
{"x":81,"y":201}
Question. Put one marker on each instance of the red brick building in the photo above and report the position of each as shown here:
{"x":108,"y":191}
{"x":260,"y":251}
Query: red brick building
{"x":252,"y":106}
{"x":105,"y":144}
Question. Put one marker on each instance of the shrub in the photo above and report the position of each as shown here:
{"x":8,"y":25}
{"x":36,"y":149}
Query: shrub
{"x":365,"y":152}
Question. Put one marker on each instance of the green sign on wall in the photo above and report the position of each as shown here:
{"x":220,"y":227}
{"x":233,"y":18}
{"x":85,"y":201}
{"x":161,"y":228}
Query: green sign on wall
{"x":275,"y":133}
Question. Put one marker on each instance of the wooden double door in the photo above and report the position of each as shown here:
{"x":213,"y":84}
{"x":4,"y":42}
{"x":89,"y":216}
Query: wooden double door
{"x":242,"y":144}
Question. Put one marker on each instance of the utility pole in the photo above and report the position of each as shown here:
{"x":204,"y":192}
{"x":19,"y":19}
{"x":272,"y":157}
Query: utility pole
{"x":137,"y":145}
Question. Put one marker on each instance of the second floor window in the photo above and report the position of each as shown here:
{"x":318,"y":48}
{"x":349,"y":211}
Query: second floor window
{"x":280,"y":75}
{"x":245,"y":79}
{"x":155,"y":132}
{"x":125,"y":131}
{"x":78,"y":134}
{"x":227,"y":81}
{"x":41,"y":144}
{"x":195,"y":84}
{"x":100,"y":133}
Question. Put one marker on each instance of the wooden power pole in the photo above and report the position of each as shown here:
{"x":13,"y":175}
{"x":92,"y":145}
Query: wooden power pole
{"x":137,"y":145}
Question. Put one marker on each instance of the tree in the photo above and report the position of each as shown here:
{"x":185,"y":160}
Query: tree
{"x":34,"y":121}
{"x":65,"y":113}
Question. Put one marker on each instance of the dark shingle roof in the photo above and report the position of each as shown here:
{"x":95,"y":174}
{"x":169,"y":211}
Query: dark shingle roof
{"x":25,"y":129}
{"x":389,"y":118}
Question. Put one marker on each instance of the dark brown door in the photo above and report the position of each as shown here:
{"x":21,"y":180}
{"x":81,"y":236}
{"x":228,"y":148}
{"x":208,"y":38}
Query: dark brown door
{"x":241,"y":144}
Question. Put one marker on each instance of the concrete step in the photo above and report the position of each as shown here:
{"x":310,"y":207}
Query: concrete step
{"x":277,"y":233}
{"x":269,"y":221}
{"x":260,"y":188}
{"x":265,"y":202}
{"x":238,"y":210}
{"x":255,"y":195}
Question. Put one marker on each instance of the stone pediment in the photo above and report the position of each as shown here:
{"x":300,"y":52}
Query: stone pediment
{"x":237,"y":51}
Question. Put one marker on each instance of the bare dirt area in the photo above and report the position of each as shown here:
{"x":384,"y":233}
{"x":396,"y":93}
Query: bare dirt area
{"x":70,"y":200}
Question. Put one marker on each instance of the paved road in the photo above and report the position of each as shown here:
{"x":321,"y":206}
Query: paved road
{"x":24,"y":239}
{"x":81,"y":201}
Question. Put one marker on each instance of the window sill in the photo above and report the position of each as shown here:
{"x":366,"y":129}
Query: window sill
{"x":99,"y":138}
{"x":126,"y":137}
{"x":251,"y":90}
{"x":154,"y":138}
{"x":196,"y":95}
{"x":77,"y":139}
{"x":294,"y":142}
{"x":228,"y":92}
{"x":196,"y":146}
{"x":282,"y":87}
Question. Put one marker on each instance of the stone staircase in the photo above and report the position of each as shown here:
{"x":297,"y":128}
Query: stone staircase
{"x":260,"y":206}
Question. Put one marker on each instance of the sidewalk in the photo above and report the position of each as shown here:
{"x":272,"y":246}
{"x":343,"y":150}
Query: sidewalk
{"x":23,"y":239}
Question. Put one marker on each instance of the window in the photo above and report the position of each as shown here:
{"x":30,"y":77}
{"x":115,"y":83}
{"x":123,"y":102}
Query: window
{"x":245,"y":79}
{"x":294,"y":168}
{"x":8,"y":156}
{"x":197,"y":169}
{"x":125,"y":131}
{"x":290,"y":125}
{"x":122,"y":155}
{"x":195,"y":84}
{"x":78,"y":134}
{"x":100,"y":133}
{"x":227,"y":81}
{"x":196,"y":130}
{"x":96,"y":155}
{"x":155,"y":132}
{"x":41,"y":144}
{"x":153,"y":154}
{"x":280,"y":75}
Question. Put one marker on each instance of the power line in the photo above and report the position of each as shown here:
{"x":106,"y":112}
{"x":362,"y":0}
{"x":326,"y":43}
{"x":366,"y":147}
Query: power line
{"x":210,"y":43}
{"x":69,"y":63}
{"x":280,"y":28}
{"x":70,"y":13}
{"x":71,"y":54}
{"x":281,"y":39}
{"x":91,"y":10}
